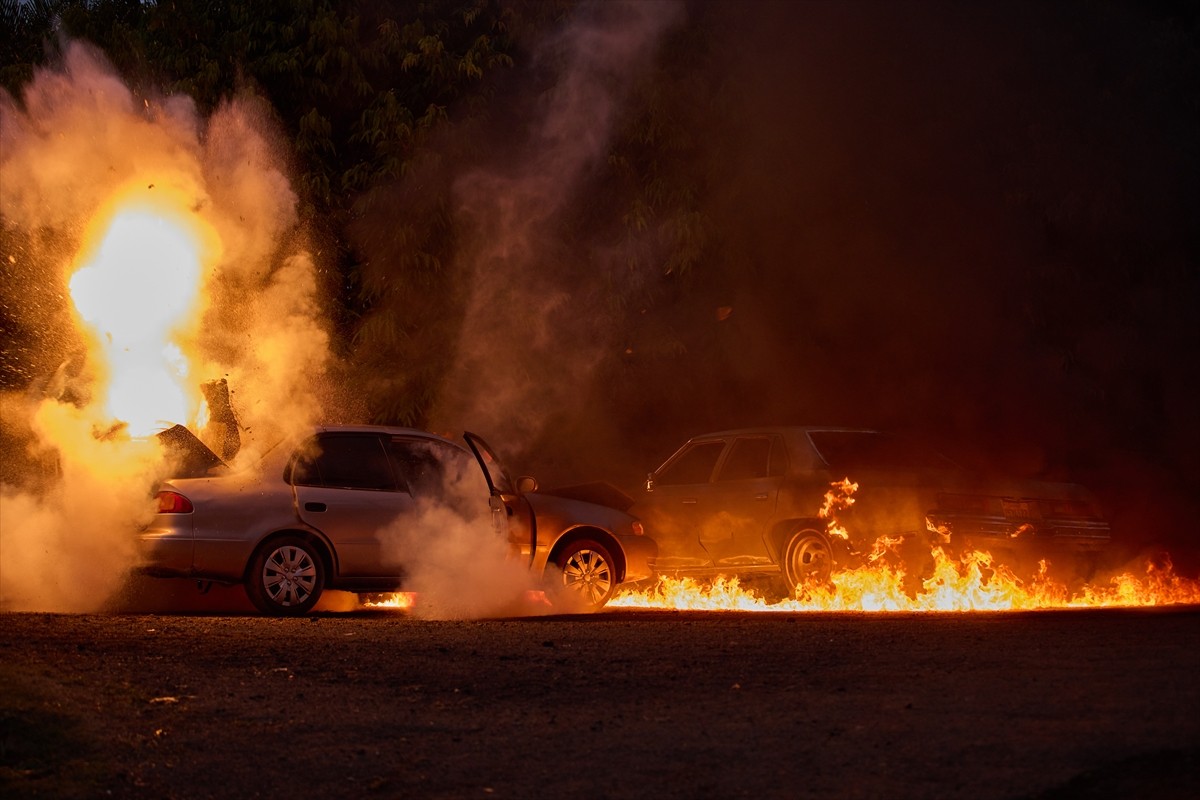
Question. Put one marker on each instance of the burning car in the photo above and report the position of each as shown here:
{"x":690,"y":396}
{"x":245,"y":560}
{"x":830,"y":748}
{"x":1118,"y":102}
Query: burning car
{"x":801,"y":501}
{"x":314,"y":516}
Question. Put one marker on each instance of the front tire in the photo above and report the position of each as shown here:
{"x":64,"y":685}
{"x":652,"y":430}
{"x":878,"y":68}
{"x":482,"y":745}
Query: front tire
{"x":589,"y":574}
{"x":286,"y":577}
{"x":807,"y":559}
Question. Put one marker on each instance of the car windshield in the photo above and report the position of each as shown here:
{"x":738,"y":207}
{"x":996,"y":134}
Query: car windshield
{"x":849,"y":450}
{"x":693,"y":464}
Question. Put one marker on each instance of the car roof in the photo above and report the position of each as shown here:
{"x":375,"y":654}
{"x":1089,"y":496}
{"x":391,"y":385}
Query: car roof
{"x":390,"y":430}
{"x":782,"y":429}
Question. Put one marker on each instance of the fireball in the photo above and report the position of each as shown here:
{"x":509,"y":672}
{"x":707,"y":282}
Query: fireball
{"x":139,"y":290}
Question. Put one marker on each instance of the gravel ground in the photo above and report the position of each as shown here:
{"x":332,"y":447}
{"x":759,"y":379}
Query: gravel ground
{"x":629,"y":704}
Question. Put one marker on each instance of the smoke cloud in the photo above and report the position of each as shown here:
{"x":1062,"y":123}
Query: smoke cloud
{"x":534,"y":329}
{"x":453,"y":558}
{"x":75,"y":490}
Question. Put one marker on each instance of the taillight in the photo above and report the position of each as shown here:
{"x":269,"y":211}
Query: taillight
{"x":638,"y":528}
{"x":173,"y":503}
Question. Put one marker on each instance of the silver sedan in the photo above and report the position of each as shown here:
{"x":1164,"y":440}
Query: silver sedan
{"x":313,"y":516}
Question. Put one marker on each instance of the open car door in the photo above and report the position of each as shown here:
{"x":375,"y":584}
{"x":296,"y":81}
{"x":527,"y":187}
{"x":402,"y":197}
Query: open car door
{"x":505,"y":501}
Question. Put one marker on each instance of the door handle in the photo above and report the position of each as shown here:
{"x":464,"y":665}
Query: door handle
{"x":314,"y":506}
{"x":762,"y":496}
{"x":689,"y":501}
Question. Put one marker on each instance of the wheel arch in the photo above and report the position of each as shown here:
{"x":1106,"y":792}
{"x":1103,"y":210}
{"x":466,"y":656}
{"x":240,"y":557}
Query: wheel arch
{"x":597,"y":535}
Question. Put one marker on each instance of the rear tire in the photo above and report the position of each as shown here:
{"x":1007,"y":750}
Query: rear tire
{"x":807,"y":559}
{"x":286,"y":577}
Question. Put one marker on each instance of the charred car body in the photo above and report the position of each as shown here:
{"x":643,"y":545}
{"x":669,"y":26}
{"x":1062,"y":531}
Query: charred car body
{"x":309,"y":518}
{"x":766,"y":500}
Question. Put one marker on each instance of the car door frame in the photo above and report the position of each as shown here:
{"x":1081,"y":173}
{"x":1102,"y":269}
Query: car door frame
{"x":358,"y":553}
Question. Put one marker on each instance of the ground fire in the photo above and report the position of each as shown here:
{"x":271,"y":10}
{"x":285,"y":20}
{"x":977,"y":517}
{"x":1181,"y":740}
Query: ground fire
{"x":972,"y":581}
{"x":968,"y":582}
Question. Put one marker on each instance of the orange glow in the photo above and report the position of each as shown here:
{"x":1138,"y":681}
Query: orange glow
{"x":400,"y":601}
{"x":534,"y":600}
{"x":138,"y":289}
{"x":972,"y":583}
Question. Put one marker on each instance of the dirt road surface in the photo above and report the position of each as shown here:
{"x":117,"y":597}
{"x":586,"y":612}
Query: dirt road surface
{"x":1084,"y":704}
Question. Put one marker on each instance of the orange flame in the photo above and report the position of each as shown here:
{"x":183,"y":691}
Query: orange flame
{"x":973,"y":583}
{"x":838,"y":497}
{"x":139,"y":291}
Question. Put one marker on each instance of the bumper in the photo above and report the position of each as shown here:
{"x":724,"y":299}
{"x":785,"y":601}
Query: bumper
{"x":166,"y":551}
{"x":639,"y":552}
{"x":1063,"y":535}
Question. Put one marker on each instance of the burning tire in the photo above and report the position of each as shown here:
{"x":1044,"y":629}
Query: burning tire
{"x":589,"y":573}
{"x":807,"y":558}
{"x":286,"y":577}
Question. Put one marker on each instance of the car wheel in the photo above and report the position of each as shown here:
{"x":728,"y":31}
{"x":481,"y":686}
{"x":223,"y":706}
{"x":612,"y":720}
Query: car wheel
{"x":589,"y":573}
{"x":286,"y":577}
{"x":806,"y":559}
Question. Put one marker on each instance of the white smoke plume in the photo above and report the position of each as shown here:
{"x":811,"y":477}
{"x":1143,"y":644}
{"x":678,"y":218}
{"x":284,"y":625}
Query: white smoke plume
{"x":454,"y":558}
{"x":76,"y":141}
{"x":530,"y":339}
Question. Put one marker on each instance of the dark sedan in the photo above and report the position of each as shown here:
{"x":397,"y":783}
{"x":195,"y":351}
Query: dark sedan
{"x":801,"y":501}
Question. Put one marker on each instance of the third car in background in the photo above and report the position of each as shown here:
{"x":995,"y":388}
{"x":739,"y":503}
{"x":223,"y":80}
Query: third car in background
{"x":799,"y":502}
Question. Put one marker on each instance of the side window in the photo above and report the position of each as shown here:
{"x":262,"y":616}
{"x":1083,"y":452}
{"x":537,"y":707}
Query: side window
{"x":748,"y":458}
{"x":694,"y":465}
{"x":344,"y":462}
{"x":425,"y":467}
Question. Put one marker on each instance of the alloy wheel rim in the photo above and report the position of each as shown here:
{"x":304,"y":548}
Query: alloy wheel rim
{"x":588,"y":573}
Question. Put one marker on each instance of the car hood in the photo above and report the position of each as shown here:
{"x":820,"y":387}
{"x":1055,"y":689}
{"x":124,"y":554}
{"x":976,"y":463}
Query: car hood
{"x":598,"y":493}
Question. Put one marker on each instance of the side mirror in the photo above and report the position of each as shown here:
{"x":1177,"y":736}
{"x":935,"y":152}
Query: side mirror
{"x":650,"y":482}
{"x":526,"y":484}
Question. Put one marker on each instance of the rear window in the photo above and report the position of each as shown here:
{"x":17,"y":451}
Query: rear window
{"x":850,"y":450}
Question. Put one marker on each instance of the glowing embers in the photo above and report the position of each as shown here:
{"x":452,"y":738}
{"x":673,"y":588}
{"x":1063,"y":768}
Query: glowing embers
{"x":139,"y":291}
{"x":400,"y":601}
{"x":971,"y":583}
{"x":531,"y":602}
